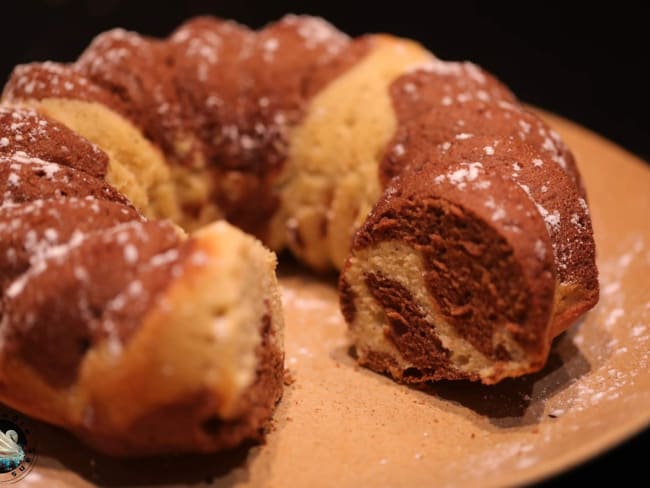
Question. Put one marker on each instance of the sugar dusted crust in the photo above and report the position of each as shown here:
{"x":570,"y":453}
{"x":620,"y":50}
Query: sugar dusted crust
{"x":457,"y":218}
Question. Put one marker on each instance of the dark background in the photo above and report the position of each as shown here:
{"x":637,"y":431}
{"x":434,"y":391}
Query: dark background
{"x":588,"y":64}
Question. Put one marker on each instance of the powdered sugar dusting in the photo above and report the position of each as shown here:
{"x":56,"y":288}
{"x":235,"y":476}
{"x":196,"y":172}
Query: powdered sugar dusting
{"x":613,"y":316}
{"x":519,"y":454}
{"x":468,"y":172}
{"x":130,"y":253}
{"x":540,"y":250}
{"x":164,"y":258}
{"x":316,"y":32}
{"x":48,"y":168}
{"x":16,"y":287}
{"x":463,"y":136}
{"x":613,"y":335}
{"x":290,"y":297}
{"x":602,"y":359}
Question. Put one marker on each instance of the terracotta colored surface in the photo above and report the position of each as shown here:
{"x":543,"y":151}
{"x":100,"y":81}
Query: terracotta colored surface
{"x":339,"y":425}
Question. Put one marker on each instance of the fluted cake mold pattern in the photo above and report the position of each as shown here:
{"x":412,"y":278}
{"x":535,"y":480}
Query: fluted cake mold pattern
{"x":457,"y":218}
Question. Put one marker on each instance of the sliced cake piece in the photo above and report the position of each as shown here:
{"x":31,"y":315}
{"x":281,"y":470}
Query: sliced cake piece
{"x":451,"y":277}
{"x":191,"y":330}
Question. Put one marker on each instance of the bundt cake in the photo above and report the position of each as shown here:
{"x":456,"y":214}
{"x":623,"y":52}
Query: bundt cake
{"x":457,"y":218}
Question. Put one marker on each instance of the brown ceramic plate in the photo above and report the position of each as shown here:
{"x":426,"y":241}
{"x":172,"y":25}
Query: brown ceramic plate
{"x":339,"y":425}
